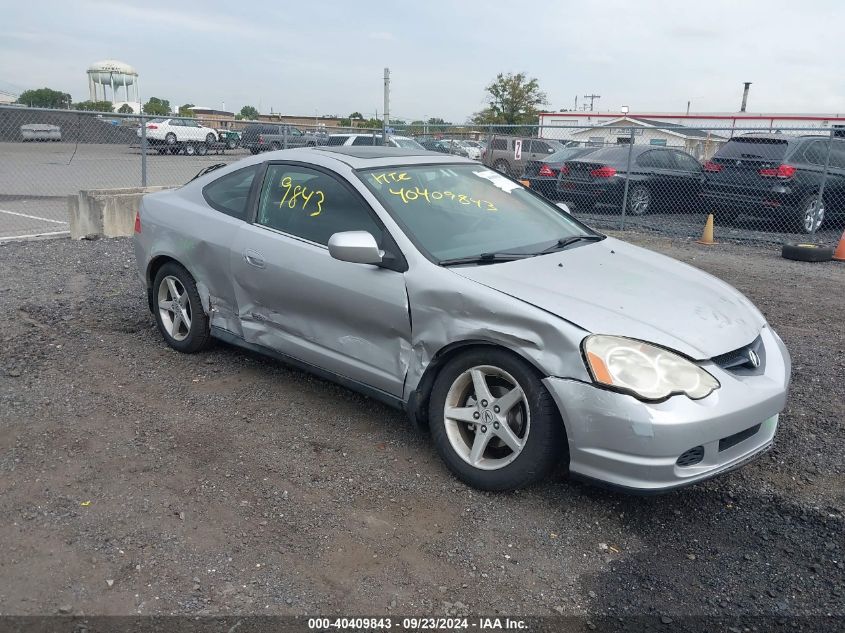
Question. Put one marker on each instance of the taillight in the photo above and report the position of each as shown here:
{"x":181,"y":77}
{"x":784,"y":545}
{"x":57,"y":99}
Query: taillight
{"x":545,"y":170}
{"x":152,"y":126}
{"x":138,"y":222}
{"x":564,"y":170}
{"x":781,"y":171}
{"x":712,"y":167}
{"x":260,"y":139}
{"x":603,"y":172}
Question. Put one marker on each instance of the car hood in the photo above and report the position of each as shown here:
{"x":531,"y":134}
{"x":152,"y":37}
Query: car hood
{"x":612,"y":287}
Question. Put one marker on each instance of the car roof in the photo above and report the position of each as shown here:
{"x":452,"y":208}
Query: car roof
{"x":363,"y":156}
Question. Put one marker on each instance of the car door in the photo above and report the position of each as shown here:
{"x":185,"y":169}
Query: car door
{"x":295,"y":298}
{"x":656,"y":169}
{"x":687,"y":180}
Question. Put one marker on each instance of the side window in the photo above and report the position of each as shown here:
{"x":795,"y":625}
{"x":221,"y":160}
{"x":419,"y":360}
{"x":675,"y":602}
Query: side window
{"x":685,"y":162}
{"x":366,"y":139}
{"x":336,"y":140}
{"x":294,"y":131}
{"x":229,"y":194}
{"x":500,"y":143}
{"x":312,"y":205}
{"x":816,"y":152}
{"x":837,"y":155}
{"x":175,"y":123}
{"x":541,"y":147}
{"x":656,"y":159}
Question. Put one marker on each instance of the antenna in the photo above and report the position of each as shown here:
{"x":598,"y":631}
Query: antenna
{"x":592,"y":98}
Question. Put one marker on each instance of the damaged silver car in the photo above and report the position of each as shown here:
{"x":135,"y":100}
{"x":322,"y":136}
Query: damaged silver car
{"x":518,"y":336}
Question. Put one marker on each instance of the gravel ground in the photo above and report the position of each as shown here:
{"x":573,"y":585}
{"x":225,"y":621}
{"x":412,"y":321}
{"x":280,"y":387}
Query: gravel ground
{"x":135,"y":480}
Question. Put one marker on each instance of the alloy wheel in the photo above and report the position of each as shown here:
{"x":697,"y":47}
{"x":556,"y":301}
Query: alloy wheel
{"x":813,"y":215}
{"x":640,"y":201}
{"x":487,"y":417}
{"x":174,"y":308}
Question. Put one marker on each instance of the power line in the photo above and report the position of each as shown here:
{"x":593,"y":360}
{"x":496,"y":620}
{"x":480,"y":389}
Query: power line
{"x":592,"y":98}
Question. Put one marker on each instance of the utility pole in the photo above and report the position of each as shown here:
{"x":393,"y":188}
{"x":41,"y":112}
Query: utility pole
{"x":576,"y":103}
{"x":592,"y":98}
{"x":386,"y":105}
{"x":745,"y":96}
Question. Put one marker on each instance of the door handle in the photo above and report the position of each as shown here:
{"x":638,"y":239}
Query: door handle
{"x":253,"y":258}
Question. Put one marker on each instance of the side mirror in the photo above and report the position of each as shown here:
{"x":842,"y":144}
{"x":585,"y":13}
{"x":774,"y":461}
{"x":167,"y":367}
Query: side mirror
{"x":356,"y":247}
{"x":563,"y":207}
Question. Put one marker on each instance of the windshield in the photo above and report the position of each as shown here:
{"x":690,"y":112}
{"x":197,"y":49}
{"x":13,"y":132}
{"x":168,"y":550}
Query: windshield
{"x":407,"y":143}
{"x":462,"y":210}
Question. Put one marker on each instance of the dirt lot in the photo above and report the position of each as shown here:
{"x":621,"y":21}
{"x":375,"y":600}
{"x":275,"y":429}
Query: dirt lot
{"x":138,"y":480}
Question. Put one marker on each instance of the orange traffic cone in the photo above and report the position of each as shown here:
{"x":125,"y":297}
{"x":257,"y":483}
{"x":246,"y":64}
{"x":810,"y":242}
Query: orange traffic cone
{"x":707,"y":235}
{"x":839,"y":253}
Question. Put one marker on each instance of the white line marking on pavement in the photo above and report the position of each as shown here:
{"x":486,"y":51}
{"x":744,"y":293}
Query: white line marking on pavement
{"x":12,"y":238}
{"x":33,"y":217}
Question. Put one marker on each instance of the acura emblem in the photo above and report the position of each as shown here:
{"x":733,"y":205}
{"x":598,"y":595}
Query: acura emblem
{"x":753,"y":358}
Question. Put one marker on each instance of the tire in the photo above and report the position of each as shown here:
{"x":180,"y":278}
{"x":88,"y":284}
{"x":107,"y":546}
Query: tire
{"x":274,"y":146}
{"x":640,"y":200}
{"x":807,"y":252}
{"x":210,"y":138}
{"x":202,"y":149}
{"x":170,"y":138}
{"x":186,"y":339}
{"x":533,"y":422}
{"x":190,"y":149}
{"x":502,"y":166}
{"x":806,"y":210}
{"x":231,"y":143}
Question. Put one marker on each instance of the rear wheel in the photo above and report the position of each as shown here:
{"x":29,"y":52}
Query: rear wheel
{"x":639,"y":200}
{"x":179,"y":314}
{"x":170,"y":138}
{"x":190,"y":149}
{"x":231,"y":143}
{"x":202,"y":149}
{"x":493,"y":422}
{"x":811,"y":214}
{"x":502,"y":166}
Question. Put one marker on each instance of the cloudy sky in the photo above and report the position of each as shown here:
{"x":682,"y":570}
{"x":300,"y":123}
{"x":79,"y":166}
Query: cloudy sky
{"x":328,"y":56}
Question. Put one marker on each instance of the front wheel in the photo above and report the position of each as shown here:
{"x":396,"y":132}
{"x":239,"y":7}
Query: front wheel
{"x":231,"y":143}
{"x":493,"y":422}
{"x":190,"y":149}
{"x":210,"y":138}
{"x":178,"y":310}
{"x":170,"y":138}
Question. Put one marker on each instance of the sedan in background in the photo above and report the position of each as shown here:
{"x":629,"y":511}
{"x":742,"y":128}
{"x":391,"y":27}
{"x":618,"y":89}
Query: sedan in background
{"x":444,"y":147}
{"x":659,"y":177}
{"x":171,"y":132}
{"x":542,"y":174}
{"x":521,"y":338}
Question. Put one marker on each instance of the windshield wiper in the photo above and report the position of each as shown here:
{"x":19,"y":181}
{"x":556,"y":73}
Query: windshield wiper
{"x":485,"y":258}
{"x":572,"y":239}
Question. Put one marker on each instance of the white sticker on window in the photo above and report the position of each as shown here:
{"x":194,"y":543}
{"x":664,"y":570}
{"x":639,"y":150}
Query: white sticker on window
{"x":498,"y":179}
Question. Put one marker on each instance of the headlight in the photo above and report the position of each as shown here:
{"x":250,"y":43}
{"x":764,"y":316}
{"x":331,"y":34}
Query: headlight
{"x":646,"y":371}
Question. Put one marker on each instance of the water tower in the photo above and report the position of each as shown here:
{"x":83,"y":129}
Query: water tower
{"x":113,"y":74}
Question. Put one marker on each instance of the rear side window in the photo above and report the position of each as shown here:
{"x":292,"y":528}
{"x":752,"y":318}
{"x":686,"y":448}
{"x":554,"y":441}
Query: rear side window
{"x":500,"y":143}
{"x":229,"y":194}
{"x":816,"y":152}
{"x":336,"y":140}
{"x":367,"y":140}
{"x":754,"y":149}
{"x":656,"y":159}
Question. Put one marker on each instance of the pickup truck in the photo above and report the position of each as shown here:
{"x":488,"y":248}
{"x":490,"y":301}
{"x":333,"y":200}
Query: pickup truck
{"x":262,"y":137}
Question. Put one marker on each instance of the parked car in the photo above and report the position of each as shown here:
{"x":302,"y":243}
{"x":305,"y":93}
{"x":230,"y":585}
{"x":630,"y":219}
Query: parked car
{"x":171,"y":132}
{"x":319,"y":137}
{"x":777,"y":177}
{"x":40,"y":132}
{"x":264,"y":137}
{"x":444,"y":146}
{"x":519,"y":336}
{"x":231,"y":138}
{"x":542,"y":174}
{"x":501,"y":154}
{"x":365,"y":140}
{"x":473,"y":148}
{"x":659,"y":176}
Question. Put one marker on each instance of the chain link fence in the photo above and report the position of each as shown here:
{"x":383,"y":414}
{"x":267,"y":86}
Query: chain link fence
{"x":768,"y":185}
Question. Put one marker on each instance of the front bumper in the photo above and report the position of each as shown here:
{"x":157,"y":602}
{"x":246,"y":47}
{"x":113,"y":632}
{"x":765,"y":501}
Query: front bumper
{"x":619,"y":440}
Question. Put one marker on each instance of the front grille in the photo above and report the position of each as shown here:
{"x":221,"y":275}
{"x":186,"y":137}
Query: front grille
{"x":732,"y":440}
{"x":739,"y":361}
{"x":691,"y":457}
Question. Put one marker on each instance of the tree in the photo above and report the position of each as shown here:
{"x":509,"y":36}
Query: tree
{"x":94,"y":106}
{"x":45,"y":98}
{"x":185,"y":110}
{"x":511,"y":99}
{"x":125,"y":109}
{"x":356,"y":115}
{"x":249,"y":113}
{"x":437,"y":120}
{"x":157,"y":106}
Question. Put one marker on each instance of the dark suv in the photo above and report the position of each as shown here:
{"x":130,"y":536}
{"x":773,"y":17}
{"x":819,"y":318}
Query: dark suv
{"x":777,"y":176}
{"x":262,"y":137}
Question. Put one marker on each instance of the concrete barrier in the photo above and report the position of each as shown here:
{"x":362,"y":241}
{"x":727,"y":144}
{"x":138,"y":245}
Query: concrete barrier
{"x":105,"y":212}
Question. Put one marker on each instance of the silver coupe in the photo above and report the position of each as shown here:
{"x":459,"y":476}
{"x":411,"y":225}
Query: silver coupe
{"x":521,"y":338}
